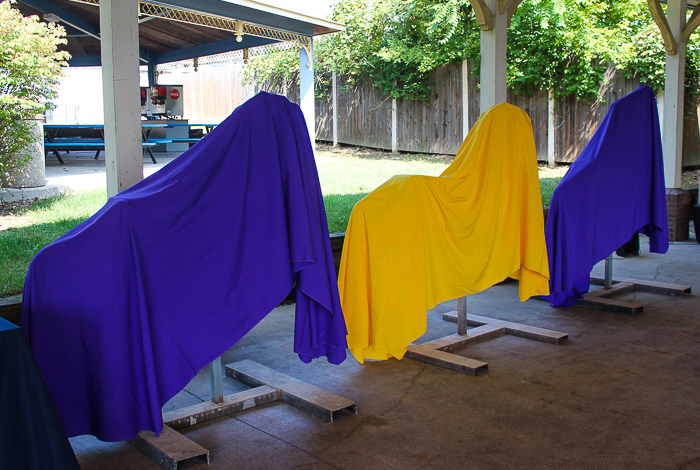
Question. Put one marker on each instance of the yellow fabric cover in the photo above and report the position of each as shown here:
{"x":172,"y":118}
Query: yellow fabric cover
{"x":416,"y":241}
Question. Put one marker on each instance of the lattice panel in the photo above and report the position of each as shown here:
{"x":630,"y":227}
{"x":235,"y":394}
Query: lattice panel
{"x":228,"y":56}
{"x":191,"y":17}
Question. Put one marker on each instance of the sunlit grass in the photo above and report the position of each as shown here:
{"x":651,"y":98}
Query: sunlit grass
{"x":45,"y":221}
{"x":345,"y":179}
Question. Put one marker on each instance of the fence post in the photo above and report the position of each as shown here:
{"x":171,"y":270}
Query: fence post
{"x":465,"y":99}
{"x":393,"y":125}
{"x":550,"y":129}
{"x":335,"y":111}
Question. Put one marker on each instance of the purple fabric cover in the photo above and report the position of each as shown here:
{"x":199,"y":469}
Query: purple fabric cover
{"x":125,"y":309}
{"x":614,"y":189}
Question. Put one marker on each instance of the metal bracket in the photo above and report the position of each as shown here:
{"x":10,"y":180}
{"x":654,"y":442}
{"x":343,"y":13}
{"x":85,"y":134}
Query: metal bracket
{"x":307,"y":48}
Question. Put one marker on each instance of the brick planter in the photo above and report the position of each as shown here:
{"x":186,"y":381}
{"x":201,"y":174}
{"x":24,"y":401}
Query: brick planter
{"x":678,"y":207}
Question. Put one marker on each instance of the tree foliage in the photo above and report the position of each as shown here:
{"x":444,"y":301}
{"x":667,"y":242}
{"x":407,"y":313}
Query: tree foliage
{"x":30,"y":72}
{"x":558,"y":45}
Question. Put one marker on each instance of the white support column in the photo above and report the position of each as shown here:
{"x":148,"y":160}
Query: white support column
{"x":550,"y":130}
{"x":306,"y":84}
{"x":493,"y":59}
{"x":673,"y":97}
{"x":120,"y":81}
{"x":335,"y":110}
{"x":465,"y":100}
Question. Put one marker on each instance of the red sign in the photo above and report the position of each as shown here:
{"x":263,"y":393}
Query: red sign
{"x":174,"y":93}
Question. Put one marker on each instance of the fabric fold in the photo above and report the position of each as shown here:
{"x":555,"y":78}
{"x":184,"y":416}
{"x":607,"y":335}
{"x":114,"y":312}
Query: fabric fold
{"x":125,"y":309}
{"x":614,"y":189}
{"x":417,"y":241}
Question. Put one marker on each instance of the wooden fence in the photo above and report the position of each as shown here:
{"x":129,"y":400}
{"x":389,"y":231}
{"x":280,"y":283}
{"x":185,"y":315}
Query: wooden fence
{"x":365,"y":114}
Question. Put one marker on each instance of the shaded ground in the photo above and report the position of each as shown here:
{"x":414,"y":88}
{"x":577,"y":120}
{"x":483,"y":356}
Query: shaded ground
{"x":620,"y":394}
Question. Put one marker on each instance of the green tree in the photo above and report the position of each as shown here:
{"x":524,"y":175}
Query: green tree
{"x":30,"y":72}
{"x":558,"y":45}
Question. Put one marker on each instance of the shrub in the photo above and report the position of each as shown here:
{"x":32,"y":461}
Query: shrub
{"x":30,"y":72}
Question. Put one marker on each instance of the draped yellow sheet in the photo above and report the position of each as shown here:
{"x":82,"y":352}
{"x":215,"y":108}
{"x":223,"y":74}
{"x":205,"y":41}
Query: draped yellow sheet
{"x":416,"y":241}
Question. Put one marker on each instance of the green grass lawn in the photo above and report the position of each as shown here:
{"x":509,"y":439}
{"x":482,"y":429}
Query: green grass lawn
{"x":345,"y":179}
{"x":42,"y":223}
{"x":346,"y":176}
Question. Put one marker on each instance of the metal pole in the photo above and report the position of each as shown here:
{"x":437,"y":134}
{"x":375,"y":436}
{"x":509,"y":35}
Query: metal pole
{"x":462,"y":316}
{"x":216,"y":377}
{"x":608,"y":271}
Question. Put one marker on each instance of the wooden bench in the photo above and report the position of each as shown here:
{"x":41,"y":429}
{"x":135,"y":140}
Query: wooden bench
{"x":11,"y":309}
{"x":78,"y":144}
{"x":191,"y":140}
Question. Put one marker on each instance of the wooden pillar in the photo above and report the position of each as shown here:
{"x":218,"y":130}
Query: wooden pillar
{"x":335,"y":110}
{"x":493,"y":59}
{"x":465,"y":99}
{"x":675,"y":31}
{"x":306,"y":84}
{"x":120,"y":81}
{"x":673,"y":98}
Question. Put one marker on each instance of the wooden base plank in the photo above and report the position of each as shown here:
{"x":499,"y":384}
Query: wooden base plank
{"x":446,"y":360}
{"x":306,"y":397}
{"x":651,"y":287}
{"x":170,"y":448}
{"x":208,"y":410}
{"x":473,"y":336}
{"x":511,"y":328}
{"x":617,"y":289}
{"x":609,"y":305}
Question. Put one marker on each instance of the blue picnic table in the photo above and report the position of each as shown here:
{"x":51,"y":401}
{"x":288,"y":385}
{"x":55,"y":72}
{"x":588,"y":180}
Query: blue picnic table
{"x":54,"y":139}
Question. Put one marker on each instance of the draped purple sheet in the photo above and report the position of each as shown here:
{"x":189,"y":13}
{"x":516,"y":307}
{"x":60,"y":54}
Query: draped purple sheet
{"x":125,"y":309}
{"x":614,"y":189}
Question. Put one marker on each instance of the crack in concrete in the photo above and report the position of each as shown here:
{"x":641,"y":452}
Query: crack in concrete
{"x":414,"y":379}
{"x":194,"y":395}
{"x":368,"y":420}
{"x":690,"y":462}
{"x":287,"y":442}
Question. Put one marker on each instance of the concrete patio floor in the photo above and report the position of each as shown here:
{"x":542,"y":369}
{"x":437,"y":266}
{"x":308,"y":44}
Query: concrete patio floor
{"x":622,"y":393}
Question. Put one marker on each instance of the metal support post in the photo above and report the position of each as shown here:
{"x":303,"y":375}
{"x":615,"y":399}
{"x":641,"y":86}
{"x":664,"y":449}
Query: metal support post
{"x":216,"y":377}
{"x":462,"y":316}
{"x":608,"y":271}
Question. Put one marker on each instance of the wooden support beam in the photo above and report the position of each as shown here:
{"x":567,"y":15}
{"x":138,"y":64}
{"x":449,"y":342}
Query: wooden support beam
{"x":660,"y":18}
{"x":691,"y":25}
{"x":483,"y":14}
{"x":505,"y":5}
{"x":511,"y":10}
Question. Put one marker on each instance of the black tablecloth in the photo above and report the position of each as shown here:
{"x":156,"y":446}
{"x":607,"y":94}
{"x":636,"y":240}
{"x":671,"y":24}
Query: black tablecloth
{"x":31,"y":435}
